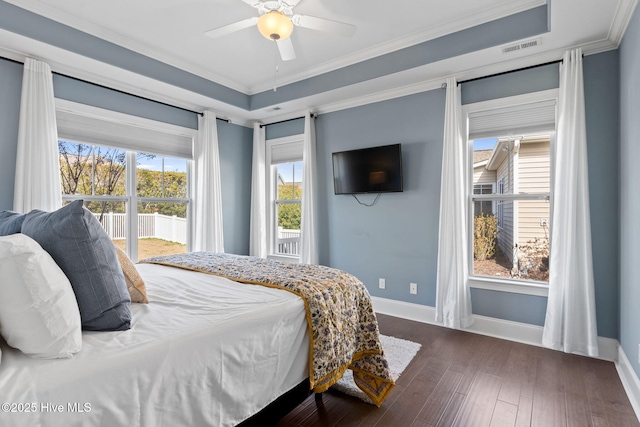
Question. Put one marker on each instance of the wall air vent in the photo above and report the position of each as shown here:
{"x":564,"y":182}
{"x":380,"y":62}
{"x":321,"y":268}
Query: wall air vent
{"x":522,"y":45}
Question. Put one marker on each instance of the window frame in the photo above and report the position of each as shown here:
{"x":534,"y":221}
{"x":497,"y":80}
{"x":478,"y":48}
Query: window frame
{"x":493,"y":190}
{"x":491,"y":283}
{"x":272,"y":192}
{"x":111,"y":120}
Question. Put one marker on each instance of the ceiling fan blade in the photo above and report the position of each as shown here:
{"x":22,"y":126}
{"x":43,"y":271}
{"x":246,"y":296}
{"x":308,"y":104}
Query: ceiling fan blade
{"x":231,"y":28}
{"x":325,"y":25}
{"x":287,"y":53}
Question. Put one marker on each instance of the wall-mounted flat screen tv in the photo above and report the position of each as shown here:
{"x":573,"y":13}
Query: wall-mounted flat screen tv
{"x":368,"y":170}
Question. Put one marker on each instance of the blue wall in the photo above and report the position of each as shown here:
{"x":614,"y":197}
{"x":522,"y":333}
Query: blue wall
{"x":629,"y":194}
{"x":397,"y":238}
{"x":287,"y":128}
{"x":10,"y":90}
{"x":98,"y":96}
{"x":235,"y":143}
{"x":601,"y":76}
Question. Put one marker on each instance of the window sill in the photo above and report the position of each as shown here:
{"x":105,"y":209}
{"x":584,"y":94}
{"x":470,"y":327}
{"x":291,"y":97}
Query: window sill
{"x":284,"y":258}
{"x":512,"y":286}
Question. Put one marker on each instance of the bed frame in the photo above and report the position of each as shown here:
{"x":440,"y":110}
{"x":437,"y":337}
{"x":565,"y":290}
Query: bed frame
{"x":281,"y":406}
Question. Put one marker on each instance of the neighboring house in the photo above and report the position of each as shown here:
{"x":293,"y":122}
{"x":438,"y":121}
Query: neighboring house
{"x":515,"y":166}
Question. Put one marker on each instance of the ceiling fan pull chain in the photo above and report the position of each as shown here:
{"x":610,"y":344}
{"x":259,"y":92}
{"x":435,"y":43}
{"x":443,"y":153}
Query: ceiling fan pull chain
{"x":275,"y":64}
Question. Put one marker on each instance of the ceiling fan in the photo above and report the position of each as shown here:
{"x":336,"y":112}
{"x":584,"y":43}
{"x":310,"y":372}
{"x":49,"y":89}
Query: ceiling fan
{"x":275,"y":22}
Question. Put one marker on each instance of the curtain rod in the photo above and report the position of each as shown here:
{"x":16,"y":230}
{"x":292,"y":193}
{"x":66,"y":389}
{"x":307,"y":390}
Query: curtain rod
{"x":510,"y":71}
{"x":121,"y":91}
{"x":314,"y":115}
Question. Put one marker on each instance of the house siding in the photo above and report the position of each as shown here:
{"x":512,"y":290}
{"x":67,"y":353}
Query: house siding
{"x":482,"y":176}
{"x":533,"y":177}
{"x":505,"y":229}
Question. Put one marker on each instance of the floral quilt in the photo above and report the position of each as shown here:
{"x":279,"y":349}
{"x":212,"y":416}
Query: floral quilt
{"x":343,"y":328}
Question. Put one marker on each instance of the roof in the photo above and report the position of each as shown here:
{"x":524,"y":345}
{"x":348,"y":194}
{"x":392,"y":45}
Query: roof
{"x":481,"y":155}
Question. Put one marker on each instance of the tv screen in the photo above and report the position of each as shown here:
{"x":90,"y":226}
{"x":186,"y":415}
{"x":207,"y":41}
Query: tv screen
{"x":368,"y":170}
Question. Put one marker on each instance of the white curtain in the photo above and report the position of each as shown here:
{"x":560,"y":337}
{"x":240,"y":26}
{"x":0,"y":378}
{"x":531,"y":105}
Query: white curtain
{"x":308,"y":225}
{"x":258,"y":226}
{"x":207,"y":229}
{"x":570,"y":323}
{"x":37,"y":179}
{"x":453,"y":299}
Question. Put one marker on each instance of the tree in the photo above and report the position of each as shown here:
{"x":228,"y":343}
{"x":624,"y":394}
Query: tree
{"x":94,"y":170}
{"x":289,"y":215}
{"x":152,"y":183}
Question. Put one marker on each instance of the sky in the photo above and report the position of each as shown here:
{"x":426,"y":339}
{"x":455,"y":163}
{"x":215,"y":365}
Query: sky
{"x":484,"y":144}
{"x":171,"y":164}
{"x":286,"y":171}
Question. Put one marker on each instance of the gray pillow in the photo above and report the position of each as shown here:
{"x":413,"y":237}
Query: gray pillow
{"x":10,"y":222}
{"x":82,"y":249}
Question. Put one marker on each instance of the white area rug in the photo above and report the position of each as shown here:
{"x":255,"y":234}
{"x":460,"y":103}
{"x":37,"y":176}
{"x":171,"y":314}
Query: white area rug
{"x":398,"y":352}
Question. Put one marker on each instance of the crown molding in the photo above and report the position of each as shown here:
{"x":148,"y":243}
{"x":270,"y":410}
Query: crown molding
{"x":623,"y":15}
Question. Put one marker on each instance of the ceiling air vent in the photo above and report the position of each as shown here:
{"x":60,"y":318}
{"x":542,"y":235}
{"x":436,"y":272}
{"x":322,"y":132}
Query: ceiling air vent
{"x":522,"y":45}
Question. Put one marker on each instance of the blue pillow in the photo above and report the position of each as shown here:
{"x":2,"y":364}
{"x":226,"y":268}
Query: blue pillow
{"x":82,"y":249}
{"x":10,"y":222}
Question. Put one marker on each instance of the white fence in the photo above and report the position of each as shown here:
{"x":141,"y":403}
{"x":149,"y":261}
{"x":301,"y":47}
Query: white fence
{"x":288,"y":241}
{"x":154,"y":225}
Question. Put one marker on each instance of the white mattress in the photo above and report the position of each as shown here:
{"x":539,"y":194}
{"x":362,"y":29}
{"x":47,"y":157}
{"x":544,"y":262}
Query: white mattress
{"x":204,"y":351}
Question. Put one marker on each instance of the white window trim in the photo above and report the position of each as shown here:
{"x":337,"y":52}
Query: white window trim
{"x":490,"y":283}
{"x":131,"y":201}
{"x":270,"y":180}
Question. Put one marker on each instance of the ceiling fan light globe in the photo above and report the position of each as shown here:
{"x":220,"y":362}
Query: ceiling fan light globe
{"x":275,"y":25}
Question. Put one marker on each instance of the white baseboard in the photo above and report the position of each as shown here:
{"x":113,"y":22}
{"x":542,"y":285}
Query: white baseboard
{"x":483,"y":325}
{"x":629,"y":380}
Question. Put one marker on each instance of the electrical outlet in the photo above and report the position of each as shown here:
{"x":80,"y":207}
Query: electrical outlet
{"x":413,"y":288}
{"x":382,"y":283}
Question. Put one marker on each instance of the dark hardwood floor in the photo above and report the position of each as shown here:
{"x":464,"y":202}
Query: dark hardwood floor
{"x":464,"y":379}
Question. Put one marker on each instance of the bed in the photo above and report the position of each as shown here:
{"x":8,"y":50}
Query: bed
{"x":181,"y":363}
{"x":205,"y":350}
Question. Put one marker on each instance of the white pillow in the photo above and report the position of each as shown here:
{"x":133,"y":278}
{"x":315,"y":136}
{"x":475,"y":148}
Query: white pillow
{"x":39,"y":314}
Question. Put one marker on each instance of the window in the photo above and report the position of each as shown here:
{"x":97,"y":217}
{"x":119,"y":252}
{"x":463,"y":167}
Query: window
{"x":510,"y":192}
{"x":163,"y":200}
{"x":158,"y":206}
{"x":133,"y":178}
{"x":513,"y":242}
{"x":483,"y":206}
{"x":288,"y":208}
{"x":284,"y":190}
{"x":500,"y":203}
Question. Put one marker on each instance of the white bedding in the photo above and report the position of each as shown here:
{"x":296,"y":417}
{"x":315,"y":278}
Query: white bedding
{"x":204,"y":351}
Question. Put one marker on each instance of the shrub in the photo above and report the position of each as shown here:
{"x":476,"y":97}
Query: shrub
{"x":485,"y":232}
